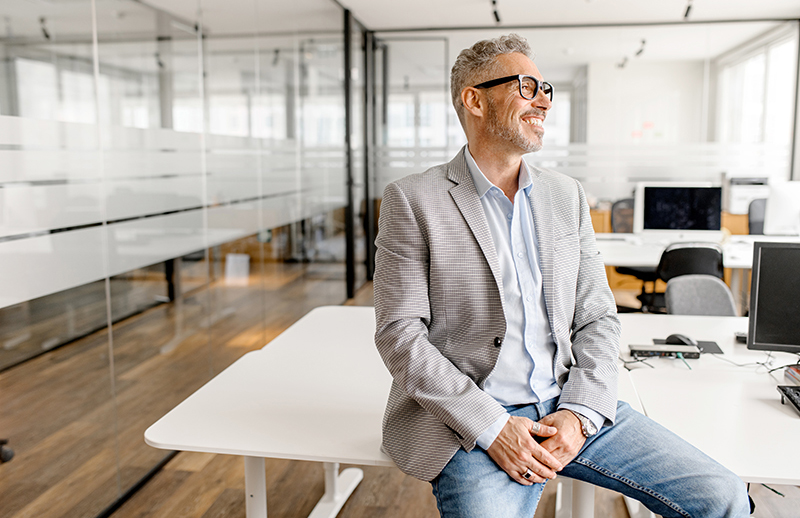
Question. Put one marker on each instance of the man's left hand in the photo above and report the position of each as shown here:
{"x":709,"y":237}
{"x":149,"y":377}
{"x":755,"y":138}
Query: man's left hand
{"x":569,"y":439}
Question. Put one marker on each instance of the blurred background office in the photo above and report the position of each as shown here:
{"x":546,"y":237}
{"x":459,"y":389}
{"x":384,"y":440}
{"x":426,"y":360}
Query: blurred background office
{"x":180,"y":180}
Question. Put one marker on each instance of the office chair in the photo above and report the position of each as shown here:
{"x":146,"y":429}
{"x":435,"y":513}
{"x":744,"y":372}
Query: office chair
{"x":704,"y":295}
{"x":622,"y":221}
{"x":755,"y":216}
{"x":684,"y":259}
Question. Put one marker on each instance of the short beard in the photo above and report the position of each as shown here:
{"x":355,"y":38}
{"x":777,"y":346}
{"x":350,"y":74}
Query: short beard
{"x":509,"y":134}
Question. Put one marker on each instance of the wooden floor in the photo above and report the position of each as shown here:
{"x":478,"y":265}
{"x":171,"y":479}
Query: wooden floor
{"x":78,"y":446}
{"x":77,"y":429}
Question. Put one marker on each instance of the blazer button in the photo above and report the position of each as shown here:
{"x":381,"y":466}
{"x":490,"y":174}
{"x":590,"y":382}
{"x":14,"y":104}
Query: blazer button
{"x":498,"y":341}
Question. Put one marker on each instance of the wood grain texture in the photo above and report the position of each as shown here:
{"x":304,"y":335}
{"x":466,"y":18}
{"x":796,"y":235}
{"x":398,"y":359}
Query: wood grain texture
{"x":78,"y":432}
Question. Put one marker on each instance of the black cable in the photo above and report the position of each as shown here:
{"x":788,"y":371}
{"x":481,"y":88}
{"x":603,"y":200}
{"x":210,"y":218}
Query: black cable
{"x":638,"y":360}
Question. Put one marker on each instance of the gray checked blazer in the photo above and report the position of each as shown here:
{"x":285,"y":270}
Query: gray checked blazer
{"x":439,"y":309}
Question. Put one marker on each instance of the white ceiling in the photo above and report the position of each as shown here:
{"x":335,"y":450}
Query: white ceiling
{"x":559,"y":52}
{"x":405,"y":14}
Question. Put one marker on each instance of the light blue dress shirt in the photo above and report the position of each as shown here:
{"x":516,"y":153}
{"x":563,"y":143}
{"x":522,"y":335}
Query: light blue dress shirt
{"x":524,"y":370}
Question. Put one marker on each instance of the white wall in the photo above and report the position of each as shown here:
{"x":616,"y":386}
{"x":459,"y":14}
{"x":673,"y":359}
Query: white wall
{"x":645,"y":102}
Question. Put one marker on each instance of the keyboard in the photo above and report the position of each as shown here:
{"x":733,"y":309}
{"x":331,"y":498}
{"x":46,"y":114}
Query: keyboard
{"x":790,"y":393}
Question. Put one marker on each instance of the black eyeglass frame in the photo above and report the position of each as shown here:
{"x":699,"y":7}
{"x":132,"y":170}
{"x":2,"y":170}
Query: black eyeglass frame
{"x":519,"y":78}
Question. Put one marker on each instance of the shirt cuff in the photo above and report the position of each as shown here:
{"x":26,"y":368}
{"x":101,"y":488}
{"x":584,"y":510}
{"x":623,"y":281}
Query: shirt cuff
{"x":487,"y":438}
{"x":596,"y":419}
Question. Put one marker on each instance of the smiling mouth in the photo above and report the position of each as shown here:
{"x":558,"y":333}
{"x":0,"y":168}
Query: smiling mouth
{"x":533,"y":121}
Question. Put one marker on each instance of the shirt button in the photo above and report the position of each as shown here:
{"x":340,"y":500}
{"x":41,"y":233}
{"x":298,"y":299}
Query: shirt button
{"x":498,"y":341}
{"x":529,"y":298}
{"x":509,"y":216}
{"x":519,"y":254}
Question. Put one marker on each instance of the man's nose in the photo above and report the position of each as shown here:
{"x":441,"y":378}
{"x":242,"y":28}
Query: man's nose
{"x":542,"y":101}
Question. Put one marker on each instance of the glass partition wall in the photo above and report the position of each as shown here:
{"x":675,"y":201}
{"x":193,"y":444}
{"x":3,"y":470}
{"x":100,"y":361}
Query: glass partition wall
{"x":174,"y":194}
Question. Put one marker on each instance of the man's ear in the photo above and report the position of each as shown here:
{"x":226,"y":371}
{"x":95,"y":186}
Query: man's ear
{"x":473,"y":101}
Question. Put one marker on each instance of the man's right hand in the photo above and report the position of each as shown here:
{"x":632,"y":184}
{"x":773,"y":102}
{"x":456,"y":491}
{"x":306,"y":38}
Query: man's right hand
{"x":515,"y":451}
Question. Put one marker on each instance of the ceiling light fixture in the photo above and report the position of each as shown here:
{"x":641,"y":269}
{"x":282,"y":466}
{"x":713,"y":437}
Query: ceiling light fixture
{"x":495,"y":12}
{"x":641,"y":49}
{"x":622,"y":63}
{"x":42,"y":23}
{"x":688,"y":10}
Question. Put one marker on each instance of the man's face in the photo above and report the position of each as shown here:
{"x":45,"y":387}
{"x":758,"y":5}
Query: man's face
{"x":509,"y":116}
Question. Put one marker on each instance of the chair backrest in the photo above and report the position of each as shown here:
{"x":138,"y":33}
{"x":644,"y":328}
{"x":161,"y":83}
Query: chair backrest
{"x":699,"y":295}
{"x":690,"y":258}
{"x":622,"y":215}
{"x":755,"y":216}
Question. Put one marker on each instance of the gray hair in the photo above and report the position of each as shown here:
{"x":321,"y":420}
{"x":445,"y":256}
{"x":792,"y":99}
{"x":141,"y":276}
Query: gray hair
{"x":477,"y":62}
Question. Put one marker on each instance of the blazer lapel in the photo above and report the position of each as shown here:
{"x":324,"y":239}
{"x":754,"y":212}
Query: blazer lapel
{"x":541,"y":201}
{"x":466,"y":197}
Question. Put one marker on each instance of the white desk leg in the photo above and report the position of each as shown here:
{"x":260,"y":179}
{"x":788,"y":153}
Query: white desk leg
{"x":636,"y":509}
{"x":574,"y":499}
{"x":582,"y":499}
{"x":338,"y":488}
{"x":255,"y":483}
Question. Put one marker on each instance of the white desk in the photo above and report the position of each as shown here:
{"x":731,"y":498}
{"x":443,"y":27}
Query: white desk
{"x":326,"y":369}
{"x":640,"y":328}
{"x":316,"y":392}
{"x":735,"y":417}
{"x":632,"y":250}
{"x":731,"y":413}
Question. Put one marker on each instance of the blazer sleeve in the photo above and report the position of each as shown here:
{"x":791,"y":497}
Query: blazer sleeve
{"x":403,"y":317}
{"x":595,"y":331}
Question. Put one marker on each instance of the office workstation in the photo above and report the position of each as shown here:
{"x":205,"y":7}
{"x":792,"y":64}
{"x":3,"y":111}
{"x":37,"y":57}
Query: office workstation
{"x":180,"y":182}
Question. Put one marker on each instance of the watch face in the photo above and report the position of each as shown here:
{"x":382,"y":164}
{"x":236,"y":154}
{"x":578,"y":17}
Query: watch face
{"x":587,"y":426}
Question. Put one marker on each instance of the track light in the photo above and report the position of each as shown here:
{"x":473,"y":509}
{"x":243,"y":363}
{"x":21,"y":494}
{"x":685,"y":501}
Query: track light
{"x":45,"y":33}
{"x":495,"y":11}
{"x":688,"y":9}
{"x":641,"y":48}
{"x":622,"y":63}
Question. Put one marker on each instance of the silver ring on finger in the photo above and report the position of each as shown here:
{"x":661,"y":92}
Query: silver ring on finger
{"x":528,"y":474}
{"x":536,"y":427}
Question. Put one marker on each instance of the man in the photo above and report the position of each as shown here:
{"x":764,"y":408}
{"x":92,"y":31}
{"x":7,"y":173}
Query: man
{"x":495,"y":318}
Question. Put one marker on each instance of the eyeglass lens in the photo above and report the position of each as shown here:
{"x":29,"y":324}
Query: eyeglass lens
{"x":528,"y":88}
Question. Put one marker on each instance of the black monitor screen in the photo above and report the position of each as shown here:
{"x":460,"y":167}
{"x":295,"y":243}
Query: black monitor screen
{"x":682,"y":208}
{"x":775,"y":298}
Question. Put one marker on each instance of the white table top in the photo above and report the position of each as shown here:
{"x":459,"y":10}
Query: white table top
{"x":732,"y":413}
{"x":734,"y":416}
{"x":317,"y":392}
{"x":640,"y":329}
{"x":633,"y":250}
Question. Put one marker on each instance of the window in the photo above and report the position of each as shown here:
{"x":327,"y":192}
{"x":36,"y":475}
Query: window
{"x":756,"y":93}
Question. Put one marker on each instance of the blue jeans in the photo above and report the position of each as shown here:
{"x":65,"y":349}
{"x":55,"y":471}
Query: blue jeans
{"x":636,"y":457}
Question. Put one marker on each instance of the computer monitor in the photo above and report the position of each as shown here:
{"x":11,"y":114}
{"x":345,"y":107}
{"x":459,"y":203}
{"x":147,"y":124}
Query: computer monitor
{"x":775,"y":298}
{"x":662,"y":207}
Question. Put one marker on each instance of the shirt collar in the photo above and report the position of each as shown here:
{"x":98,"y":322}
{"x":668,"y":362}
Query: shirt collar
{"x":482,"y":184}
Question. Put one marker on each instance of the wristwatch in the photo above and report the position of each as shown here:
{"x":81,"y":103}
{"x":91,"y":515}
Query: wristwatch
{"x":587,"y":426}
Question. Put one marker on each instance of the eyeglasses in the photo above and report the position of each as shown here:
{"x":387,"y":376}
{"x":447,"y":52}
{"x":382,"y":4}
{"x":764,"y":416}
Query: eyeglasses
{"x":528,"y":85}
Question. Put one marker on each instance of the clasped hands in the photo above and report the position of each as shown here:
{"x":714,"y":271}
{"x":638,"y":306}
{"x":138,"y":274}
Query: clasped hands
{"x":518,"y":454}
